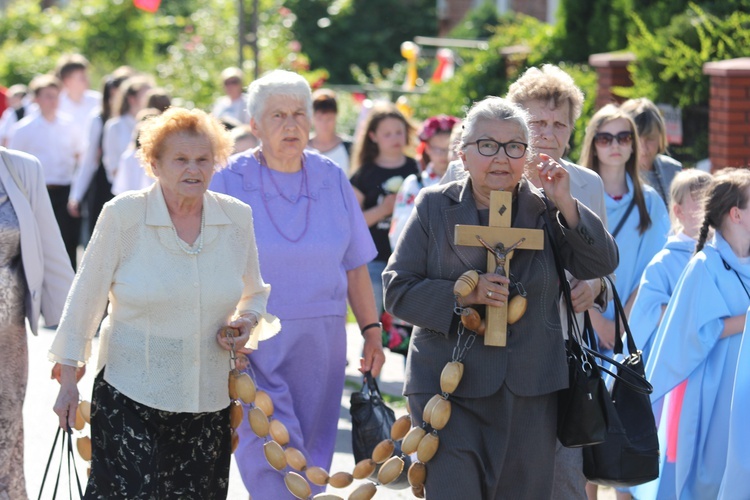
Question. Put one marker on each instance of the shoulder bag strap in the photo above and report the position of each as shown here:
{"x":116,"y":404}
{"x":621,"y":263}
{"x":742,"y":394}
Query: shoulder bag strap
{"x":12,"y":170}
{"x":624,"y":218}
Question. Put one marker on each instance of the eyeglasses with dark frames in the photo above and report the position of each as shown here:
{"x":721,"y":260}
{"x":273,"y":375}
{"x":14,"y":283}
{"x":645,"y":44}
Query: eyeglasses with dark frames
{"x":624,"y":138}
{"x":490,"y":147}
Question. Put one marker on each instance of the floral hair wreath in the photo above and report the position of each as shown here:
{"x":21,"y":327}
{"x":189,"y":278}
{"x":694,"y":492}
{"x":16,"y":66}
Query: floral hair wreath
{"x":436,"y":124}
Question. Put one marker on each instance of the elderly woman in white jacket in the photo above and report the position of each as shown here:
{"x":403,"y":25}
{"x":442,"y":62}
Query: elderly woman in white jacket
{"x":35,"y":275}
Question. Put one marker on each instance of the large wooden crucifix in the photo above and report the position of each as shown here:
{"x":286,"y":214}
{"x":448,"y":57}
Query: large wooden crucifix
{"x":502,"y":240}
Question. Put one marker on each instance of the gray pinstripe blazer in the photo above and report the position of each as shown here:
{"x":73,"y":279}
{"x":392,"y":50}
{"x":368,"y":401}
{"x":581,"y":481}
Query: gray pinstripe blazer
{"x":419,"y":281}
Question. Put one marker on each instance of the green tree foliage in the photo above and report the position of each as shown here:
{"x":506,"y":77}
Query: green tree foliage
{"x":590,"y":26}
{"x":338,"y":34}
{"x":185,"y":44}
{"x":480,"y":22}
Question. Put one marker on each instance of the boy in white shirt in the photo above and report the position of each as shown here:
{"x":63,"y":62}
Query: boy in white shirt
{"x":51,"y":136}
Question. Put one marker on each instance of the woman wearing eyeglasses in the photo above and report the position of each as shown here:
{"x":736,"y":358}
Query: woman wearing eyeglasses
{"x":636,"y":214}
{"x":500,"y":440}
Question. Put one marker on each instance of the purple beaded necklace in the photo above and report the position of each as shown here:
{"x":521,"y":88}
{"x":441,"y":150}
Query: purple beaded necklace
{"x":303,"y":185}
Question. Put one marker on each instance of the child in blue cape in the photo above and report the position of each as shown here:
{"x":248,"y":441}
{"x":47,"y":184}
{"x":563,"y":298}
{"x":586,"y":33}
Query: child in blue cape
{"x":698,"y":338}
{"x":735,"y":485}
{"x":657,"y":285}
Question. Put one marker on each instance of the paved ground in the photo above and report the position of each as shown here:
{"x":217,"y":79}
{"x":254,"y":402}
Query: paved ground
{"x":41,"y":423}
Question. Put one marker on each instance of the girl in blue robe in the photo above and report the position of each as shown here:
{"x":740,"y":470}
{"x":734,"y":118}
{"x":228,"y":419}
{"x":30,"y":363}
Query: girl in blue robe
{"x":657,"y":285}
{"x":698,"y":338}
{"x":660,"y":276}
{"x":610,"y":148}
{"x":736,"y":485}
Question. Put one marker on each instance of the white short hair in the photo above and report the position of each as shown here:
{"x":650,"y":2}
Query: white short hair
{"x":278,"y":82}
{"x":494,"y":108}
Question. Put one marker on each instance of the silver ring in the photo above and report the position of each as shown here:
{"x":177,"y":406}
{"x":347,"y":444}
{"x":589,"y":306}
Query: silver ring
{"x":489,"y":294}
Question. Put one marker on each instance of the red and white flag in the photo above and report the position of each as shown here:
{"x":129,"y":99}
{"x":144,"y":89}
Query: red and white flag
{"x":147,"y":5}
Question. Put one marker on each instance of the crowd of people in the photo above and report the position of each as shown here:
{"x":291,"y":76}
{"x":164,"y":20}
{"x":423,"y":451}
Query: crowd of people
{"x":262,"y":216}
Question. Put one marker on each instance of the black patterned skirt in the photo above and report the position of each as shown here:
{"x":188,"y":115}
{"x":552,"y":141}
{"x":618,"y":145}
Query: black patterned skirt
{"x":142,"y":453}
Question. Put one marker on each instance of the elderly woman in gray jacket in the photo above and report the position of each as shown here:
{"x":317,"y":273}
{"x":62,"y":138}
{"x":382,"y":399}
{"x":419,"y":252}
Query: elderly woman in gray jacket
{"x":500,"y":441}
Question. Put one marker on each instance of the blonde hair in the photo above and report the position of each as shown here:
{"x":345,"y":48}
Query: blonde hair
{"x":155,"y":131}
{"x":691,"y":182}
{"x":548,"y":84}
{"x":589,"y":159}
{"x":648,"y":119}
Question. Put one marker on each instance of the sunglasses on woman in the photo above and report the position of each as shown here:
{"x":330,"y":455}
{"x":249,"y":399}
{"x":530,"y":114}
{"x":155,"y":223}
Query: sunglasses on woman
{"x":605,"y":138}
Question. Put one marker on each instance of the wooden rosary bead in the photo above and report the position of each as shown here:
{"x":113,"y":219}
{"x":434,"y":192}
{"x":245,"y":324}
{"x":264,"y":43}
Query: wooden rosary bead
{"x":85,"y":409}
{"x":326,"y":496}
{"x":80,"y":422}
{"x":245,"y":388}
{"x":516,"y":308}
{"x":427,"y":412}
{"x":400,"y":427}
{"x":417,"y":474}
{"x":297,"y":485}
{"x":441,"y":413}
{"x":232,"y":383}
{"x":278,"y":432}
{"x":471,"y":319}
{"x":83,"y":444}
{"x":418,"y":491}
{"x":451,"y":376}
{"x":410,"y":444}
{"x":263,"y":401}
{"x":341,"y":480}
{"x":390,"y":470}
{"x":274,"y":455}
{"x":364,"y":468}
{"x":235,"y":440}
{"x":295,"y":458}
{"x":466,"y":283}
{"x":364,"y":492}
{"x":383,"y":451}
{"x":235,"y":415}
{"x":428,"y":447}
{"x":228,"y":331}
{"x":317,"y":475}
{"x":258,"y":422}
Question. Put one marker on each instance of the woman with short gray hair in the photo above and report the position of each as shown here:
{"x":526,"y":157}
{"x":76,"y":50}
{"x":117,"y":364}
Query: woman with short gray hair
{"x":500,"y":441}
{"x":314,"y":246}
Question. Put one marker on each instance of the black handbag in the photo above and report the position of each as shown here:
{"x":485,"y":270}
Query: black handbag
{"x":629,"y":456}
{"x":66,"y":450}
{"x":371,"y":423}
{"x":581,"y":411}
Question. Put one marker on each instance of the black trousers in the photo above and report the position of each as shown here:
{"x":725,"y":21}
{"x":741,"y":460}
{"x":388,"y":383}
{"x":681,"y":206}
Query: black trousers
{"x":70,"y":227}
{"x":142,"y":453}
{"x":99,"y":193}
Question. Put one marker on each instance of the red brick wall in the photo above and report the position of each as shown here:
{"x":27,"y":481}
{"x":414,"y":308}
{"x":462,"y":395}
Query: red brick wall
{"x":729,"y":113}
{"x":612,"y":71}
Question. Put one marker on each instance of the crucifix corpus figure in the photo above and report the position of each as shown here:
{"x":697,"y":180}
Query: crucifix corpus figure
{"x":501,"y":241}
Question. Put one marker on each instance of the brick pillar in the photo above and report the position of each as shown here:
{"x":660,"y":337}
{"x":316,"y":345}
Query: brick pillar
{"x":729,"y":113}
{"x":612,"y":70}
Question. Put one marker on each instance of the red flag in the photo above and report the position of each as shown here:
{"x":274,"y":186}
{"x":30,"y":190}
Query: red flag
{"x":147,"y":5}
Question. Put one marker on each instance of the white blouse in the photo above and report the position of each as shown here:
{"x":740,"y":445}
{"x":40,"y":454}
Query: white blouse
{"x":158,"y":342}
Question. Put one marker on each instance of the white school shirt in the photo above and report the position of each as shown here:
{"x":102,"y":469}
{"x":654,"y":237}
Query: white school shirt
{"x":81,"y":111}
{"x":118,"y":132}
{"x":130,"y":175}
{"x":90,"y":162}
{"x":57,"y":144}
{"x":158,"y":341}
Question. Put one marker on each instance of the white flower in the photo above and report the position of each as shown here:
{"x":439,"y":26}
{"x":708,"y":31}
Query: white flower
{"x":393,"y":184}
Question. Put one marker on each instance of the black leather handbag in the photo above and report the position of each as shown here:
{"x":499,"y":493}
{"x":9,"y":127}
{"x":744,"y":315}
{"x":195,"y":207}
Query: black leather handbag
{"x":581,"y":411}
{"x":66,"y":451}
{"x":629,"y":456}
{"x":371,"y":423}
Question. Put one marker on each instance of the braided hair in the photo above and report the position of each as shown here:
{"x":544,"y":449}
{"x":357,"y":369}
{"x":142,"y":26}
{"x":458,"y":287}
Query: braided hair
{"x":728,"y":189}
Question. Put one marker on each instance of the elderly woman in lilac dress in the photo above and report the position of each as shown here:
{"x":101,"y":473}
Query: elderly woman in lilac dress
{"x":314,"y":247}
